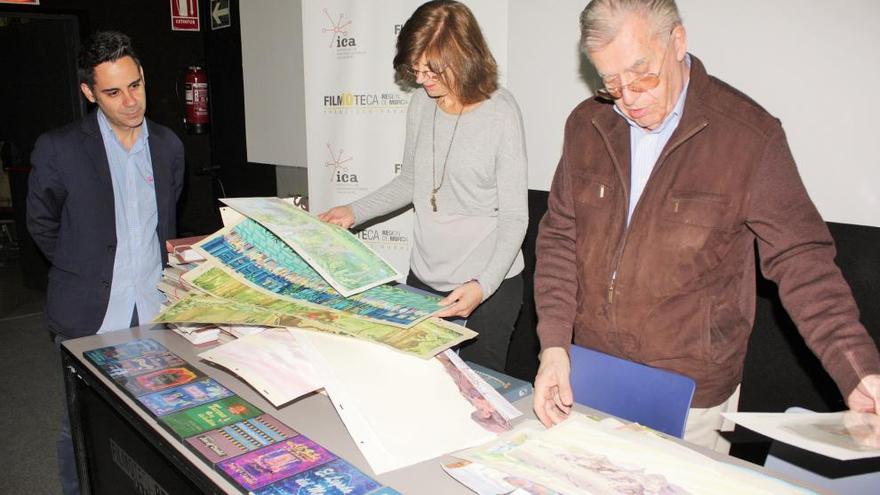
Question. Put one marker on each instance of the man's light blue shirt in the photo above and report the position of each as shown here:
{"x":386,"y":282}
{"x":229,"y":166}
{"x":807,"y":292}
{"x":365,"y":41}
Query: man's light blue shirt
{"x":646,"y":146}
{"x":137,"y":265}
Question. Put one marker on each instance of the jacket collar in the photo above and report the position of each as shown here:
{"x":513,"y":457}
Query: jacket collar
{"x":94,"y":146}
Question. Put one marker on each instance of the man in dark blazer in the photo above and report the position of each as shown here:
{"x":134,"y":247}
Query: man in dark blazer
{"x":101,"y":203}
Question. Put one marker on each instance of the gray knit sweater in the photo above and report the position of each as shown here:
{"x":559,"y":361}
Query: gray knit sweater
{"x":482,"y":211}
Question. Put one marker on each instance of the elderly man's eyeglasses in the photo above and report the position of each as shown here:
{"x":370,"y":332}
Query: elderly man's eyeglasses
{"x":427,"y":74}
{"x":645,"y":82}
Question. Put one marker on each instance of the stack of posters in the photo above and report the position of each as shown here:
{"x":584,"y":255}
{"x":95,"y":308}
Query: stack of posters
{"x":583,"y":455}
{"x":282,"y":267}
{"x":257,"y":257}
{"x":232,"y":301}
{"x":252,"y":449}
{"x":346,"y":263}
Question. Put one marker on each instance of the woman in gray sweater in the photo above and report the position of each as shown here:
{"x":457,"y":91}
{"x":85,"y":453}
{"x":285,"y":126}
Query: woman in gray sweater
{"x":464,"y":172}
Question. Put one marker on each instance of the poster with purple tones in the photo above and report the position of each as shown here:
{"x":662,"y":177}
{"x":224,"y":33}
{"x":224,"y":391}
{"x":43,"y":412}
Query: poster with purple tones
{"x":275,"y":462}
{"x":334,"y":478}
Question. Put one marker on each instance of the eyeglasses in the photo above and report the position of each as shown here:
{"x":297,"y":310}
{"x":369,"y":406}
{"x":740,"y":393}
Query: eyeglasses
{"x":645,"y":82}
{"x":415,"y":73}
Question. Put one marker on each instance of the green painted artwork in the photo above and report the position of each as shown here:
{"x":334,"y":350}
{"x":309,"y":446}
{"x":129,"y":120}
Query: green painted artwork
{"x":233,"y":302}
{"x":217,"y":414}
{"x":262,"y":260}
{"x":342,"y":259}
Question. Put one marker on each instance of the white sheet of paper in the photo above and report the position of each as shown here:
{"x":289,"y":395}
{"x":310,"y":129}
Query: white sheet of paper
{"x":272,"y":361}
{"x":399,"y":409}
{"x":841,"y":435}
{"x":583,"y":456}
{"x":229,"y":216}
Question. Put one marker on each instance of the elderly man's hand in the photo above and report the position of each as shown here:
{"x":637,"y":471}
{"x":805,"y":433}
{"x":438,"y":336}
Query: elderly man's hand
{"x":553,"y":397}
{"x":866,"y":396}
{"x":863,"y":428}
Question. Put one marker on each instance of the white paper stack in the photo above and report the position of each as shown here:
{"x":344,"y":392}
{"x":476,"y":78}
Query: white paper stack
{"x":400,"y":410}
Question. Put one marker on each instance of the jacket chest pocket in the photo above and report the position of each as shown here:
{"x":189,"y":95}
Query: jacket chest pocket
{"x":591,"y":190}
{"x":701,"y":209}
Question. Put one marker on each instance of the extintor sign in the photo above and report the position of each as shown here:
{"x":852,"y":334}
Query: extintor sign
{"x":184,"y":15}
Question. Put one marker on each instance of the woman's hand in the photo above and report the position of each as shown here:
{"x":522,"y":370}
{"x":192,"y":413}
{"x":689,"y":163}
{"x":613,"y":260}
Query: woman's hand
{"x":462,"y":301}
{"x":342,"y":216}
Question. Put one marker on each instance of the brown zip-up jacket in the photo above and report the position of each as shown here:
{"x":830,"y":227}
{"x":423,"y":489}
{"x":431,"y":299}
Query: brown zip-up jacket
{"x":676,"y":288}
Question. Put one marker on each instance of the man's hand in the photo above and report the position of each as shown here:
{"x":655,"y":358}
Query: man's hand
{"x":866,"y":396}
{"x":462,"y":301}
{"x":342,"y":216}
{"x":553,"y":396}
{"x":863,"y":428}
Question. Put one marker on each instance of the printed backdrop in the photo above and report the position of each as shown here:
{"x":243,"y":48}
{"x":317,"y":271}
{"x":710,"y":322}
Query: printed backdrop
{"x":356,"y":113}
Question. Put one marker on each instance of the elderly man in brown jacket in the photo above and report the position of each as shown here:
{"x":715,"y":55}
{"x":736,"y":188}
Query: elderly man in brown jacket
{"x":667,"y":179}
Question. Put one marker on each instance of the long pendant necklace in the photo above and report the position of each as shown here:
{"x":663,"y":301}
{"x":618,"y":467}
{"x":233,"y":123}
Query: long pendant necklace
{"x":435,"y":186}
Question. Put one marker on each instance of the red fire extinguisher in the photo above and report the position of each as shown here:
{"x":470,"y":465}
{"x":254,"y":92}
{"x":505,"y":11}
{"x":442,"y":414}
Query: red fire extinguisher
{"x":195,"y":84}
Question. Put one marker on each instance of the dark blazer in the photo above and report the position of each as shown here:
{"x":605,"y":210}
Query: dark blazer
{"x":70,"y":215}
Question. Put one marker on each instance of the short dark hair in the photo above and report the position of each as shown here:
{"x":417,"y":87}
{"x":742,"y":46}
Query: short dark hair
{"x":447,"y":33}
{"x":103,"y":46}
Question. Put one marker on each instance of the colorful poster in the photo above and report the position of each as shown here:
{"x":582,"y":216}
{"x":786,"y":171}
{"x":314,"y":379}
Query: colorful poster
{"x":424,"y":339}
{"x":132,"y":349}
{"x":342,"y":259}
{"x":120,"y":370}
{"x":236,"y":439}
{"x":184,"y":396}
{"x":334,"y":478}
{"x":209,"y":309}
{"x":155,"y":381}
{"x":259,"y":258}
{"x":200,"y":419}
{"x":275,"y":462}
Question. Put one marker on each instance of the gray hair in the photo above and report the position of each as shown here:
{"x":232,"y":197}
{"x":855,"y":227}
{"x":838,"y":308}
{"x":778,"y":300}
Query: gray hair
{"x":600,"y":20}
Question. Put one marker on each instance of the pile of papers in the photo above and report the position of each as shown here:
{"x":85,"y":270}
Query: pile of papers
{"x":306,"y":306}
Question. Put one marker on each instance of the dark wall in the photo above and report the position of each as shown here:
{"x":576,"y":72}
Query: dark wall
{"x":236,"y":176}
{"x":215,"y":161}
{"x":780,"y":370}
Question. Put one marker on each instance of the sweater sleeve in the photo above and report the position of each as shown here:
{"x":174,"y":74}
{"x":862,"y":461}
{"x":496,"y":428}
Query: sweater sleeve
{"x":399,"y":192}
{"x":511,"y":172}
{"x":556,"y":284}
{"x":797,"y":252}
